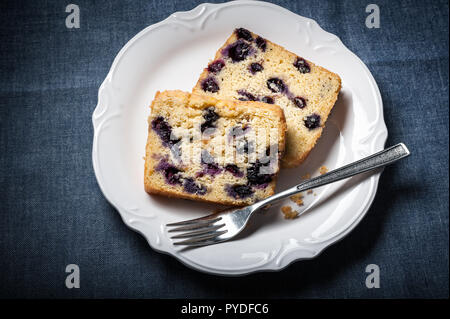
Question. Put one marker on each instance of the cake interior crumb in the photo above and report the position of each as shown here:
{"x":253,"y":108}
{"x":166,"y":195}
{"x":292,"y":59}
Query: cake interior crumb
{"x":323,"y":170}
{"x":297,"y":198}
{"x":288,"y":212}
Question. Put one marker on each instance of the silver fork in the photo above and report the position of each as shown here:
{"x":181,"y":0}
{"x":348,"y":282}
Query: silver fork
{"x":224,"y":225}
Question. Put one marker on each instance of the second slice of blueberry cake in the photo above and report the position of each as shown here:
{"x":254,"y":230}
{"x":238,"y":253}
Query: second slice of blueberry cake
{"x":251,"y":68}
{"x":212,"y":150}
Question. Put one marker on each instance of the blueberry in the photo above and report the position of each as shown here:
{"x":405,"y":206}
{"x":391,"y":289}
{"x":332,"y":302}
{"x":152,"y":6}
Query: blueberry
{"x":210,"y":117}
{"x":255,"y":175}
{"x":171,"y":173}
{"x":302,"y":65}
{"x":299,"y":101}
{"x":216,"y":66}
{"x":268,"y":99}
{"x":210,"y":85}
{"x":190,"y":186}
{"x":212,"y":169}
{"x":239,"y":191}
{"x":276,"y":85}
{"x":239,"y":51}
{"x":164,"y":131}
{"x":162,"y":128}
{"x":246,"y":96}
{"x":261,"y":186}
{"x":261,"y":43}
{"x":233,"y":169}
{"x":312,"y":121}
{"x":242,"y":33}
{"x":172,"y":176}
{"x":255,"y":67}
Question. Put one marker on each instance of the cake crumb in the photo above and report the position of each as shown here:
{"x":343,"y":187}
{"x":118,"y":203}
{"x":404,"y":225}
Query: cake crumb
{"x":323,"y":170}
{"x":298,"y":199}
{"x":288,"y":212}
{"x":306,"y":176}
{"x":309,"y":191}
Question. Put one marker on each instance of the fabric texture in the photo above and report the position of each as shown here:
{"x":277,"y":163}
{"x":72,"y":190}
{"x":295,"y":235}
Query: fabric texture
{"x":54,"y":214}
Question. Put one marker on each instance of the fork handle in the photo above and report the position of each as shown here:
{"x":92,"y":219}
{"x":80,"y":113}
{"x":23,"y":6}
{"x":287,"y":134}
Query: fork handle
{"x":383,"y":158}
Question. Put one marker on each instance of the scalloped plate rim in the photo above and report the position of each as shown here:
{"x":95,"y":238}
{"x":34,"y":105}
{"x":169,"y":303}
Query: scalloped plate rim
{"x":268,"y":267}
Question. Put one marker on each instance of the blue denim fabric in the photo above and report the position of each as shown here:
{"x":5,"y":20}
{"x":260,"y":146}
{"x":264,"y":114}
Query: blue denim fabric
{"x":53,"y":213}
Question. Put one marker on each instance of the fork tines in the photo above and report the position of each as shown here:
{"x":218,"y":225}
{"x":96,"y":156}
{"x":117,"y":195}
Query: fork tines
{"x":199,"y":231}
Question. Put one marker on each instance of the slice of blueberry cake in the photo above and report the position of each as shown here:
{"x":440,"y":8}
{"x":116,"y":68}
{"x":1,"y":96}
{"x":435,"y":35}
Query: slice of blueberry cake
{"x":221,"y":151}
{"x":250,"y":68}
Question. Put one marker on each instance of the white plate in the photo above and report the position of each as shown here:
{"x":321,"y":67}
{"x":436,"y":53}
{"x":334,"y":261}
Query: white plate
{"x":171,"y":55}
